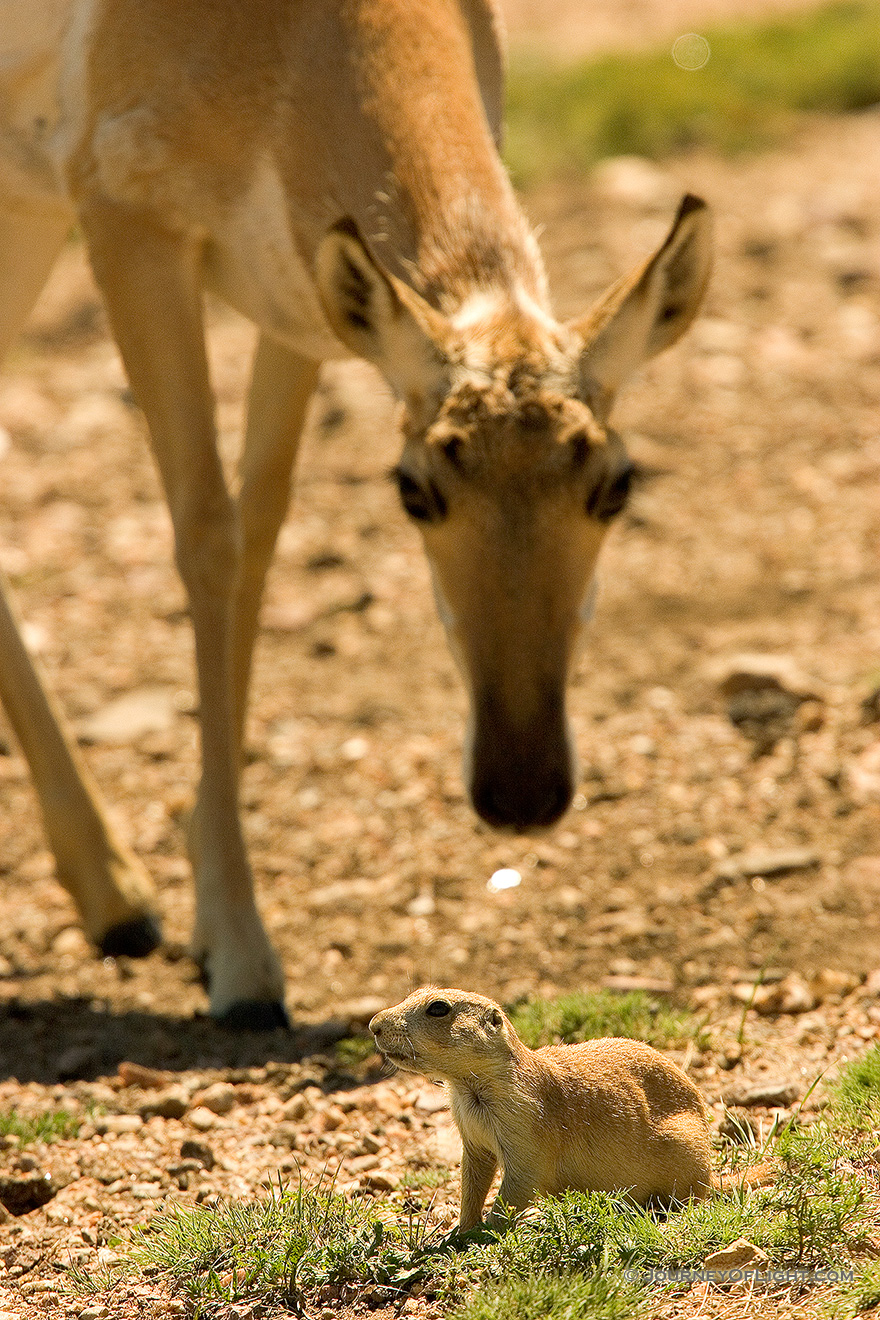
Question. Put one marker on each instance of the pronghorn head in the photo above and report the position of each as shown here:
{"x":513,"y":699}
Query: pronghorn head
{"x":512,"y":473}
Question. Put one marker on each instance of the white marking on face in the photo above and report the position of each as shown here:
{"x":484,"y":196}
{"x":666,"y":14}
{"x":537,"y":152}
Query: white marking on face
{"x":588,"y":604}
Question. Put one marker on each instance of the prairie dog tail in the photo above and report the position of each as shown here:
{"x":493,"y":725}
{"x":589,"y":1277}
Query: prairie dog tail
{"x":757,"y":1175}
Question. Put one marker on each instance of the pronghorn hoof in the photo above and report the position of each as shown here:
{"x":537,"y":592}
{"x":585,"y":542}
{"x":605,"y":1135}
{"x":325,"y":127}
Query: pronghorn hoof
{"x":131,"y":939}
{"x":254,"y":1015}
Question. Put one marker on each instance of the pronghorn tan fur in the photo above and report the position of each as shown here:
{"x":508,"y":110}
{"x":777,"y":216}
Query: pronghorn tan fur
{"x":609,"y":1115}
{"x":330,"y":168}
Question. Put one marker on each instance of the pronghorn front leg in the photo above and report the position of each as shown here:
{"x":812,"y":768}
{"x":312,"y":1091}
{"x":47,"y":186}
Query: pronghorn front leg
{"x":281,"y":386}
{"x":151,"y":280}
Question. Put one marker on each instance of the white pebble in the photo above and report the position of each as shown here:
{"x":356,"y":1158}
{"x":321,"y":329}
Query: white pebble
{"x":506,"y":878}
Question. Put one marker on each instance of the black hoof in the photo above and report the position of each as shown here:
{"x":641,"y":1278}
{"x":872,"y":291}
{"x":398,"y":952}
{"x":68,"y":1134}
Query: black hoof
{"x":132,"y":939}
{"x":254,"y":1015}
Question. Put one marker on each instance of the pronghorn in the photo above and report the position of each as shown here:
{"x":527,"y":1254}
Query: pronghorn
{"x":330,"y":168}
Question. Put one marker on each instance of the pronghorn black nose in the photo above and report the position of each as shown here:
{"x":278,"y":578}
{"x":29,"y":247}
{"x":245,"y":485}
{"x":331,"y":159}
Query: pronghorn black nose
{"x":521,"y":803}
{"x":521,"y":765}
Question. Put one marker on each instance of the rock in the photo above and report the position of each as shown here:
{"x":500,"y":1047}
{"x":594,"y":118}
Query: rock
{"x":148,"y":1079}
{"x":379,"y":1181}
{"x":771,"y":1093}
{"x":830,"y":985}
{"x":77,"y":1061}
{"x":297,"y":1107}
{"x":129,"y":717}
{"x":198,"y":1150}
{"x":766,"y":861}
{"x":790,"y":995}
{"x":651,"y":985}
{"x":764,"y":693}
{"x":356,"y":1013}
{"x":285,"y":1135}
{"x":167,"y":1104}
{"x":739,"y":1127}
{"x":202,"y":1119}
{"x":740,"y":1255}
{"x":22,"y":1192}
{"x":219,"y":1098}
{"x":432,"y":1100}
{"x":753,"y":671}
{"x":636,"y":182}
{"x":871,"y":707}
{"x":331,"y":1119}
{"x":118,"y":1123}
{"x":362,"y":1163}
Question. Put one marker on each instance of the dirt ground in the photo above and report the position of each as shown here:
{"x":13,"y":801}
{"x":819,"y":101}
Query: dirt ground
{"x":756,"y":529}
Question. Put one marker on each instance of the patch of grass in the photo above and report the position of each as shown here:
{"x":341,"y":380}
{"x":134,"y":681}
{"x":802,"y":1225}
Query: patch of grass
{"x":436,"y":1176}
{"x":354,"y":1050}
{"x":581,"y":1254}
{"x":553,"y":1297}
{"x":863,"y":1294}
{"x":579,"y":1017}
{"x":758,"y":79}
{"x":53,"y":1125}
{"x":855,"y":1096}
{"x":281,"y":1251}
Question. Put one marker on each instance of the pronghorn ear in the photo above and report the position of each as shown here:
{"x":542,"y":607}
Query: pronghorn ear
{"x":649,"y":309}
{"x":379,"y":317}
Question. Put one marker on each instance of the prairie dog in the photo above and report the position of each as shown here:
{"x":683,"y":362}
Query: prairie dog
{"x":608,"y":1115}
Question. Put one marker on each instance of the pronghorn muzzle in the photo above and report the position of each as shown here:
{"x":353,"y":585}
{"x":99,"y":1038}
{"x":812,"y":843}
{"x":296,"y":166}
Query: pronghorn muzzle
{"x":522,"y":773}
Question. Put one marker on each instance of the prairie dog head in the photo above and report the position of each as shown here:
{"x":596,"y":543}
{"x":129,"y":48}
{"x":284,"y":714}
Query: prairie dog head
{"x":444,"y":1033}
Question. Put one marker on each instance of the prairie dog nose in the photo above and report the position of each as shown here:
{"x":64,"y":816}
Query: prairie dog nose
{"x":375,"y":1024}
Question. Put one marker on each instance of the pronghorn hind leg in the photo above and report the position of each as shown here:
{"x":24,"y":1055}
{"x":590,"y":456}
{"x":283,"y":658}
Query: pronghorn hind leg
{"x":110,"y":887}
{"x":151,"y":280}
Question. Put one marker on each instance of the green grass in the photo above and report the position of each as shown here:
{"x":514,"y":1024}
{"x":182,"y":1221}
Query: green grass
{"x":568,"y":1257}
{"x":855,"y":1096}
{"x":578,"y":1255}
{"x":552,"y":1297}
{"x":354,"y":1050}
{"x":53,"y":1125}
{"x":759,"y":79}
{"x":578,"y":1017}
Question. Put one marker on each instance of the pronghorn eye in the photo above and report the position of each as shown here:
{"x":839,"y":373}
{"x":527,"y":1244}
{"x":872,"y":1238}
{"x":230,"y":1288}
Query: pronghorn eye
{"x":438,"y":1008}
{"x":580,"y":449}
{"x":424,"y":503}
{"x":610,"y":496}
{"x":453,"y":445}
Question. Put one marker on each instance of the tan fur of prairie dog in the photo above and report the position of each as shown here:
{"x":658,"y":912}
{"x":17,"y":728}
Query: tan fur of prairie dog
{"x":608,"y":1115}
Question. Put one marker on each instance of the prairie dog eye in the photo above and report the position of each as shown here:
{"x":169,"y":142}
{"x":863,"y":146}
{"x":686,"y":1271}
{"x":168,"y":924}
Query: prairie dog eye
{"x":438,"y":1008}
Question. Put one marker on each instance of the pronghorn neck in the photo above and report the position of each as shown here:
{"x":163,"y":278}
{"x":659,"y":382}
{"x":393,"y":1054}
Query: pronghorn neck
{"x":476,"y":256}
{"x":445,"y":182}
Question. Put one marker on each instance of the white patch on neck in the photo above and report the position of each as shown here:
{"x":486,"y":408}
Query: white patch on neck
{"x":254,"y":264}
{"x":480,"y":306}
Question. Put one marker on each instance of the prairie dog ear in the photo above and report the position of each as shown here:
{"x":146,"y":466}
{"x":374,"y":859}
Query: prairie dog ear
{"x":379,"y":317}
{"x":651,"y":308}
{"x":494,"y":1019}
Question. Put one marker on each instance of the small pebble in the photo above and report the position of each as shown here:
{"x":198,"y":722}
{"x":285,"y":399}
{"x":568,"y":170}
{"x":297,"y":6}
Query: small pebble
{"x":506,"y":878}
